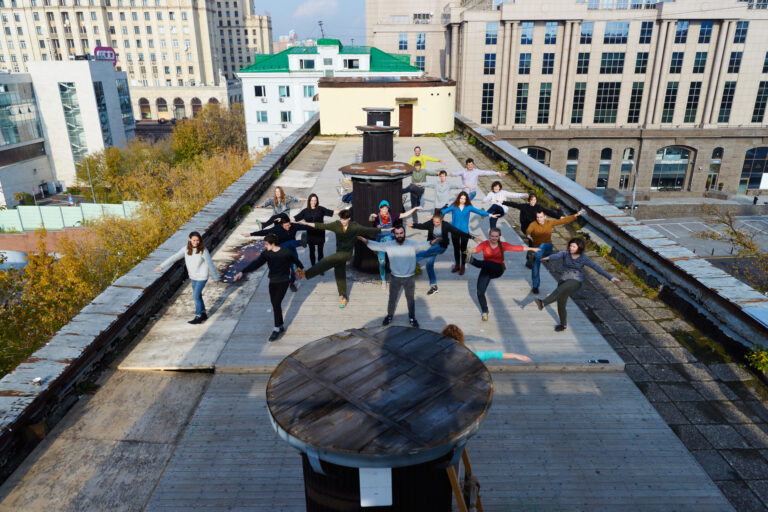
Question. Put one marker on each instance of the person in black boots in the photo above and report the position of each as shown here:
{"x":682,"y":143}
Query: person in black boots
{"x":285,"y":231}
{"x":279,"y":260}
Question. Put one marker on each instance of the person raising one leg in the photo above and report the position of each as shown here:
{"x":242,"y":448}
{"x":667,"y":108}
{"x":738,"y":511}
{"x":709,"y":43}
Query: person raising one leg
{"x":492,"y":265}
{"x":460,"y":211}
{"x":540,"y":233}
{"x":574,"y":261}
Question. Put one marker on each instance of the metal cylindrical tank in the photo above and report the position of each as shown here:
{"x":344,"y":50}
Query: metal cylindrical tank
{"x":378,"y":146}
{"x":375,"y":116}
{"x":367,"y":194}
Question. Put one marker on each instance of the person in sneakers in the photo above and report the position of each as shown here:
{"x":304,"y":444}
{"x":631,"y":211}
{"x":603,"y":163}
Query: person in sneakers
{"x":443,"y":190}
{"x":383,"y":220}
{"x":460,"y":211}
{"x":279,"y":260}
{"x":199,"y":267}
{"x":454,"y":332}
{"x":285,"y":231}
{"x":440,"y":230}
{"x":574,"y":261}
{"x":402,"y":263}
{"x":470,"y":175}
{"x":540,"y":233}
{"x":315,"y":237}
{"x":492,"y":265}
{"x":418,"y":180}
{"x":496,"y":198}
{"x":346,"y":232}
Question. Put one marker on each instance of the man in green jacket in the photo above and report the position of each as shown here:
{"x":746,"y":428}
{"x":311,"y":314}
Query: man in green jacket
{"x":346,"y":234}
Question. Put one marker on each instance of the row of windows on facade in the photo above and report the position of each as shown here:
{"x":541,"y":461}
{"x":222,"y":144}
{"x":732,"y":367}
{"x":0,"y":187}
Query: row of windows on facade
{"x":82,"y":3}
{"x":672,"y":165}
{"x":327,"y":62}
{"x":613,"y":63}
{"x":179,"y":109}
{"x":262,"y":117}
{"x":283,"y":91}
{"x":607,"y":103}
{"x":617,"y":32}
{"x":421,"y":41}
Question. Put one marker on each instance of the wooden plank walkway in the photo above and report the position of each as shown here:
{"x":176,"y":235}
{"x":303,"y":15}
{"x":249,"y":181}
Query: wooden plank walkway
{"x":550,"y":442}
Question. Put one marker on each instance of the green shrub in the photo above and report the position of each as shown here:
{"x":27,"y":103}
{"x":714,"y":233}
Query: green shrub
{"x":758,"y":358}
{"x":472,"y":140}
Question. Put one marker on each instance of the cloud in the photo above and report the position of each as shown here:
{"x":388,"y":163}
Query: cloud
{"x":312,"y":8}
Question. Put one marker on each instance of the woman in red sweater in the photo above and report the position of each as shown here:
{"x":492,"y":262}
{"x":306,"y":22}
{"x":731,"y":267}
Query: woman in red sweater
{"x":492,"y":264}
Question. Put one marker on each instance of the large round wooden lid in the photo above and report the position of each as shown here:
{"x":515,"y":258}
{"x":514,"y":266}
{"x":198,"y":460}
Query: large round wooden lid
{"x":391,"y":396}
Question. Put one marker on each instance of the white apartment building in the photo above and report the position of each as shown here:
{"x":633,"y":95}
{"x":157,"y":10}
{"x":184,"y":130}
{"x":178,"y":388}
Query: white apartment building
{"x":52,"y":117}
{"x":279,"y":91}
{"x":598,"y":89}
{"x":178,"y":54}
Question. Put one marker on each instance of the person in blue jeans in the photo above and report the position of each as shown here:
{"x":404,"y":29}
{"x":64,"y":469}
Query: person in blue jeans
{"x":540,"y":233}
{"x":460,"y":211}
{"x":437,"y":229}
{"x":199,"y":267}
{"x":286,"y":231}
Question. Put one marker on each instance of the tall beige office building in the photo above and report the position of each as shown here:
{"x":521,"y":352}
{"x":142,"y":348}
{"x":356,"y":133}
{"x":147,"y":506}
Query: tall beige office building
{"x":599,"y":89}
{"x":178,"y":54}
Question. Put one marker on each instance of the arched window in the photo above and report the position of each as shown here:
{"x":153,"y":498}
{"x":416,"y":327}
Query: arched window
{"x":212,"y":100}
{"x":714,"y":169}
{"x":572,"y":163}
{"x":162,"y":108}
{"x":197,"y":106}
{"x":671,"y":168}
{"x":539,"y":154}
{"x":604,"y":170}
{"x":144,"y":108}
{"x":754,"y":170}
{"x":178,"y":109}
{"x":627,"y":162}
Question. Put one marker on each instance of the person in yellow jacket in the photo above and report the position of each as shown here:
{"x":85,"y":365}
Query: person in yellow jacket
{"x":419,"y":176}
{"x":540,"y":233}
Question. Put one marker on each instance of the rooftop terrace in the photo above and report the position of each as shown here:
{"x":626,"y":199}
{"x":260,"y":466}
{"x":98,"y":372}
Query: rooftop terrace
{"x":563,"y":433}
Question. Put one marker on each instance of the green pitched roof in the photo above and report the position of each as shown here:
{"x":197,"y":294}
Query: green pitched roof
{"x":380,"y":61}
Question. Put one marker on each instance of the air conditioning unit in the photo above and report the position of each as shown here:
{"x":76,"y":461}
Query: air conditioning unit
{"x":284,"y":125}
{"x":263,"y":100}
{"x":282,"y":100}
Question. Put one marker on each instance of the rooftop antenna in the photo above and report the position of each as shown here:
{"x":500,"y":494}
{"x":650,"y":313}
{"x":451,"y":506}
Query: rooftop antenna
{"x":322,"y":32}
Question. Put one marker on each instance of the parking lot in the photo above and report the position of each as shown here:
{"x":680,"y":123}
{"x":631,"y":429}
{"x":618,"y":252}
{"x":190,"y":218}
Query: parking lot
{"x":684,"y":231}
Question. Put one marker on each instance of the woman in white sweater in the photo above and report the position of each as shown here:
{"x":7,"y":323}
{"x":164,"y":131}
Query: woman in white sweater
{"x":199,"y":265}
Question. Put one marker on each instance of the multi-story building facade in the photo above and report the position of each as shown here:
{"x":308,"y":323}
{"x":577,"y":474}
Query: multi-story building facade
{"x":178,"y":54}
{"x":601,"y":89}
{"x":55,"y":115}
{"x":279,"y":91}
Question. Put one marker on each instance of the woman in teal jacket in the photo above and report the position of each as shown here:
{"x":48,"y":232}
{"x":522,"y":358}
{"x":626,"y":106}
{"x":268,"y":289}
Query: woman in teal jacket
{"x":460,"y":211}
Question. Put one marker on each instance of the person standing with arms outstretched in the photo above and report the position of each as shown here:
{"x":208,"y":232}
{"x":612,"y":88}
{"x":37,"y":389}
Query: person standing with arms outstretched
{"x":402,"y":262}
{"x":496,"y":198}
{"x":285,"y":231}
{"x":470,"y":175}
{"x":279,"y":260}
{"x":528,"y":211}
{"x":280,"y":203}
{"x":199,"y":267}
{"x":386,"y":220}
{"x":315,"y":237}
{"x":418,"y":180}
{"x":540,"y":233}
{"x":441,"y":231}
{"x":492,"y":265}
{"x":574,"y":260}
{"x":443,"y":190}
{"x":460,"y":211}
{"x":346,"y":233}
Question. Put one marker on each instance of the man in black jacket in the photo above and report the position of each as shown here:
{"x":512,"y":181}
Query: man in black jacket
{"x":444,"y":230}
{"x":279,"y":260}
{"x":285,"y":231}
{"x":528,"y":215}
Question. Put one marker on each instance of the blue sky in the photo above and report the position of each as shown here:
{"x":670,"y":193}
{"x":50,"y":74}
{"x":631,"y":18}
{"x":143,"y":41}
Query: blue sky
{"x":342,"y":19}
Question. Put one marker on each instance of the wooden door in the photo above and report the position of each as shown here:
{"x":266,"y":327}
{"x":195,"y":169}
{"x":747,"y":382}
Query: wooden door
{"x":406,"y":120}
